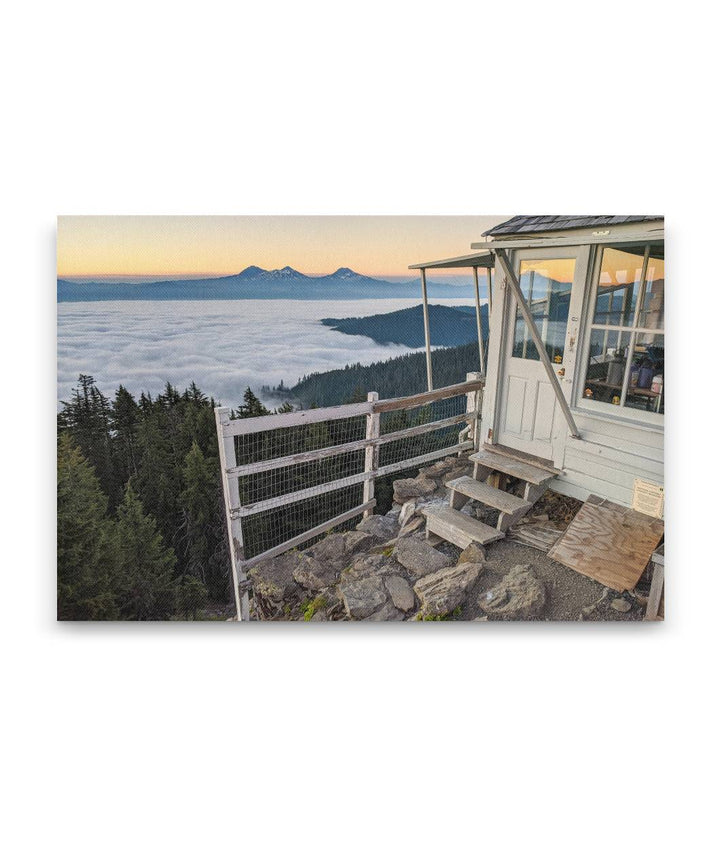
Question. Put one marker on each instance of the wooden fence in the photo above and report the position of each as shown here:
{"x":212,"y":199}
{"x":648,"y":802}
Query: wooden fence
{"x":336,"y":454}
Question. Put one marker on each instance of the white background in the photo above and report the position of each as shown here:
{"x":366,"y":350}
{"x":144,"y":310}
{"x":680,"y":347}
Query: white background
{"x":336,"y":739}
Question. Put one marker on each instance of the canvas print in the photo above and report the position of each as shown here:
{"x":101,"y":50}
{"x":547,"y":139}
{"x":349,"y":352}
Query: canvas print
{"x":342,"y":419}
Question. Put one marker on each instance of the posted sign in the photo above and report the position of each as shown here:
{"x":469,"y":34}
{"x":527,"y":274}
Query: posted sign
{"x":648,"y":498}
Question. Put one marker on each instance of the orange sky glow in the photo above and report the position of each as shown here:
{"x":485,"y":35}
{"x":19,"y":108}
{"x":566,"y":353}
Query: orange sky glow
{"x":161,"y":246}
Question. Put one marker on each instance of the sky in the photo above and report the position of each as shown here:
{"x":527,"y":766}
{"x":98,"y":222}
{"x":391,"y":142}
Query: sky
{"x":142,"y":246}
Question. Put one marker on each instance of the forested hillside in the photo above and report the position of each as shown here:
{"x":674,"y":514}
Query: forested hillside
{"x":449,"y":326}
{"x":391,"y":378}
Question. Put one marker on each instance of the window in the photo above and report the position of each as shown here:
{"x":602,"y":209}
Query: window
{"x":626,"y":360}
{"x":546,"y":286}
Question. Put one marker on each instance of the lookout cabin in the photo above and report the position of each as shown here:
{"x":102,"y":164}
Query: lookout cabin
{"x":574,"y":360}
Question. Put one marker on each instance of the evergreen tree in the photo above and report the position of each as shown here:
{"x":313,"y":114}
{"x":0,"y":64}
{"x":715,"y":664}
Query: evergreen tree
{"x":191,"y":597}
{"x":145,"y":587}
{"x":252,"y":406}
{"x":199,"y":508}
{"x":83,"y":540}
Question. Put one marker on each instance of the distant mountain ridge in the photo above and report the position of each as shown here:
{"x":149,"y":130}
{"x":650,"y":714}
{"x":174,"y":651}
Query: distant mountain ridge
{"x":256,"y":283}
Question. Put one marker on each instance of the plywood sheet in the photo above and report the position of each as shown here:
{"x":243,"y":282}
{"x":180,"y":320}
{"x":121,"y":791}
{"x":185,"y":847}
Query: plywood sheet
{"x":609,"y":543}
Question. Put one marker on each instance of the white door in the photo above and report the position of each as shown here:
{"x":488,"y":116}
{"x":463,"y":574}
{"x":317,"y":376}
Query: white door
{"x":530,"y":418}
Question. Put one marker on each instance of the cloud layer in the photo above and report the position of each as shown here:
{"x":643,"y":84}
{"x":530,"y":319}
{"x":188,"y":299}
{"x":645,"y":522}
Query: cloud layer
{"x":223,"y":345}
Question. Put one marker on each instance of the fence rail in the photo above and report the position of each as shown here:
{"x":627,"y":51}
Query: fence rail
{"x":279,"y":472}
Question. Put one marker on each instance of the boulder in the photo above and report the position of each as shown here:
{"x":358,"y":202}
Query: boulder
{"x":400,"y":593}
{"x":357,"y":542}
{"x":619,"y":604}
{"x":520,"y":595}
{"x":387,"y":612}
{"x":273,"y":579}
{"x":362,"y":597}
{"x":381,"y":527}
{"x":438,"y":469}
{"x":314,"y":575}
{"x":405,"y":489}
{"x":474,"y":554}
{"x":444,"y":590}
{"x":419,"y":557}
{"x":414,"y":525}
{"x":407,"y":512}
{"x":329,"y":550}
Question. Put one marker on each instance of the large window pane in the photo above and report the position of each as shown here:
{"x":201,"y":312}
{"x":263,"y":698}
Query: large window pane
{"x":619,"y":286}
{"x":652,"y":311}
{"x":606,"y":365}
{"x":646,"y":387}
{"x":546,"y":286}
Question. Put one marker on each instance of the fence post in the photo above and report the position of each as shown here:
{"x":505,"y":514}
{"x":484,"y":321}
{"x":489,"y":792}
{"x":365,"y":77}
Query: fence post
{"x":372,"y":453}
{"x":231,"y":492}
{"x":473,"y":405}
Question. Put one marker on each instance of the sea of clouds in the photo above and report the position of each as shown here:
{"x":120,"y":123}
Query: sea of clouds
{"x":224,"y":345}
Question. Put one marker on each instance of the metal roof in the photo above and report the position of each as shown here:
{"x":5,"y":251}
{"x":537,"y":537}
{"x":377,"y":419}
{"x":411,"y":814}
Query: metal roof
{"x":559,"y":222}
{"x":484,"y":260}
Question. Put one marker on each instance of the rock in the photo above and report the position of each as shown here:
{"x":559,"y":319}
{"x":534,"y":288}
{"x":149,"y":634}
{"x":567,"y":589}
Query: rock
{"x":444,"y":590}
{"x":314,"y":575}
{"x":413,"y":525}
{"x":273,"y":579}
{"x":407,"y":512}
{"x":387,"y":612}
{"x":457,"y":471}
{"x":357,"y":542}
{"x":475,"y":554}
{"x":330,"y":549}
{"x":419,"y":557}
{"x":520,"y":595}
{"x":619,"y":604}
{"x":381,"y":527}
{"x":363,"y":596}
{"x":405,"y":489}
{"x":400,"y":593}
{"x":438,"y":469}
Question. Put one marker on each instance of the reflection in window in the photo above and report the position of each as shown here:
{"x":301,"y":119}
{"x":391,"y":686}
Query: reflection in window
{"x":626,"y":362}
{"x":546,"y":286}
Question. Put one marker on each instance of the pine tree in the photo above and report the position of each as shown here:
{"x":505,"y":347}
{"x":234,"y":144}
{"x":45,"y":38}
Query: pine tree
{"x":199,"y":508}
{"x":252,"y":406}
{"x":84,"y":562}
{"x":145,"y":587}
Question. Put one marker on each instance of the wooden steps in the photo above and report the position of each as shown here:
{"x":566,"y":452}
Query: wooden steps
{"x":511,"y":467}
{"x":488,"y":495}
{"x":458,"y":528}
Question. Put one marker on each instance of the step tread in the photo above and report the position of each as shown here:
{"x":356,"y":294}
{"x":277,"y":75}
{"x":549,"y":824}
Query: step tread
{"x":511,"y":467}
{"x":459,"y":528}
{"x":523,"y":457}
{"x":489,"y":495}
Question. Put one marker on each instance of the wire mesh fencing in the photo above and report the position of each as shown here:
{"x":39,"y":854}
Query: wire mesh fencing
{"x":289,"y":478}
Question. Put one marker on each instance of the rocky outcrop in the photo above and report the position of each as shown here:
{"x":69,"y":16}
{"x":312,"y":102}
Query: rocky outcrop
{"x":445,"y":590}
{"x":520,"y":595}
{"x":400,"y":593}
{"x":419,"y":557}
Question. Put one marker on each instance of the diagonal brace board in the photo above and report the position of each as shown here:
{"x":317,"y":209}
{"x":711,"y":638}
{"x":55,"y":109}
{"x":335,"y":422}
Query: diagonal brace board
{"x":537,"y":339}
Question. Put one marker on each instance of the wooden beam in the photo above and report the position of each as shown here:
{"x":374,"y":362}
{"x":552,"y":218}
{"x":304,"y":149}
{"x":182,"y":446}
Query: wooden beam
{"x":654,"y":236}
{"x":231,"y":492}
{"x":478,"y":318}
{"x":256,"y":424}
{"x":426,"y":319}
{"x":422,"y":398}
{"x":423,"y":459}
{"x":306,"y":536}
{"x":372,"y":432}
{"x":537,"y":339}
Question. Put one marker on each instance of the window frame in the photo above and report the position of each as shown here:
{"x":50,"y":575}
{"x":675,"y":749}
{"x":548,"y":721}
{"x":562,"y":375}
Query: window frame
{"x":592,"y":407}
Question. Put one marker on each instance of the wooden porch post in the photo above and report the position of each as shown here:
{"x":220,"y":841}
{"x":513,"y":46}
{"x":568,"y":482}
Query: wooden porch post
{"x":478,"y":317}
{"x":231,"y":491}
{"x":537,"y":339}
{"x":372,"y":453}
{"x":426,"y":318}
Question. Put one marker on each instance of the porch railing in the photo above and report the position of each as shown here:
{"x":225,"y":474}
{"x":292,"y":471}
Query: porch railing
{"x":290,"y":477}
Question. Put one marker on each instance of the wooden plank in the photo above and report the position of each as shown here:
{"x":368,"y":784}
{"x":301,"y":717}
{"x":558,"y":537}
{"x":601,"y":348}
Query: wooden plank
{"x":275,"y":421}
{"x":609,"y":543}
{"x":657,"y":587}
{"x":517,"y":455}
{"x":511,"y":467}
{"x":231,"y":493}
{"x":612,"y":237}
{"x":422,"y":398}
{"x":311,"y":533}
{"x":299,"y":495}
{"x":426,"y":323}
{"x":489,"y":495}
{"x":458,"y":528}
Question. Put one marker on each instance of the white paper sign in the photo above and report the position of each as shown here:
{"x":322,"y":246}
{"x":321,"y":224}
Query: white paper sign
{"x":648,"y":498}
